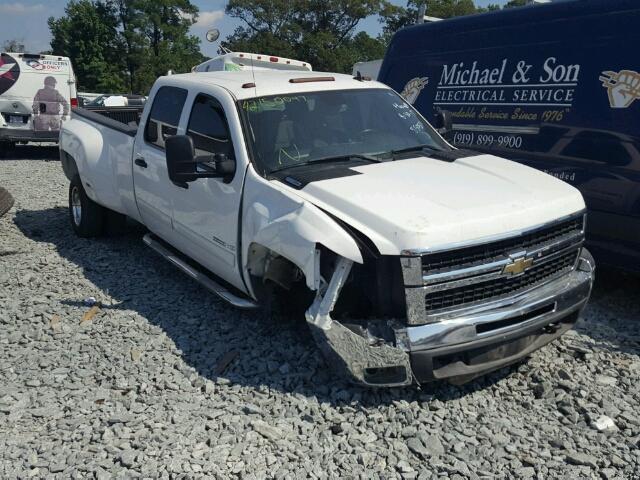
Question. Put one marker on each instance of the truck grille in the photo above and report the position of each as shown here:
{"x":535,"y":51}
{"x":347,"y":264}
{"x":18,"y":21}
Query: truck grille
{"x":477,"y":274}
{"x":501,"y":286}
{"x":478,"y":254}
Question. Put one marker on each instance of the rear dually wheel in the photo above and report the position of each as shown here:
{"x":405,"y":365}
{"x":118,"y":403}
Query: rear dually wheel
{"x":87,"y":217}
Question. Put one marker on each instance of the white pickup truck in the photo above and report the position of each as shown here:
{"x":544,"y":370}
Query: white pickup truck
{"x":414,"y":261}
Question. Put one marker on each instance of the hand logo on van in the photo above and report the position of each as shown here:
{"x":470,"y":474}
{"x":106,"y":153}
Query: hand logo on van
{"x":413,"y":88}
{"x":623,"y":87}
{"x":9,"y":72}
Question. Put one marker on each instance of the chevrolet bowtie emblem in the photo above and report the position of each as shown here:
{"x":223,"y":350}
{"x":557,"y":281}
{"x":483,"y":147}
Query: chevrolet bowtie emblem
{"x":517,"y":266}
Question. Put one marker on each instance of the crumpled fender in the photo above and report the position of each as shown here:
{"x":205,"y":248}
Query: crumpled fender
{"x":345,"y":350}
{"x":290,"y":226}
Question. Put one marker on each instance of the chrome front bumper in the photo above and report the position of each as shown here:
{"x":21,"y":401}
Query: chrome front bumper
{"x":497,"y":334}
{"x":476,"y":341}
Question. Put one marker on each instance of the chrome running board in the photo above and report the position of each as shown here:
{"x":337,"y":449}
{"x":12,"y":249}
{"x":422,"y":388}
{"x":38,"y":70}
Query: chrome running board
{"x":199,"y":276}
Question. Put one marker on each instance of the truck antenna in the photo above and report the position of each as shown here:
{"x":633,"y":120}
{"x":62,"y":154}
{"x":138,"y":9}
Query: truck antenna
{"x":253,"y":74}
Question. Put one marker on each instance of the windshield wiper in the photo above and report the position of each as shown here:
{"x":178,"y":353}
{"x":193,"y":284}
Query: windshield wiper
{"x":416,"y":148}
{"x":337,"y":158}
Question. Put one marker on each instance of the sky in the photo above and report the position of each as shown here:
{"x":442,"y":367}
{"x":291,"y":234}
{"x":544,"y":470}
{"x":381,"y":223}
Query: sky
{"x":26,"y":21}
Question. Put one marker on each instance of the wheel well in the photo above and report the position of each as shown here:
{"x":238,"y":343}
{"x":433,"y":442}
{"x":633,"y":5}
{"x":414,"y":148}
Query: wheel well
{"x":373,"y":289}
{"x":264,"y":265}
{"x":277,"y":282}
{"x":68,"y":165}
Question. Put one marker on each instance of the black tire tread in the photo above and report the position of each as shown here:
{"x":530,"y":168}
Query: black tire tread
{"x":93,"y":215}
{"x":6,"y":201}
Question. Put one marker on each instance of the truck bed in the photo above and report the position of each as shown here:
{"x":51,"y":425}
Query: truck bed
{"x":123,"y":119}
{"x":101,"y":148}
{"x":125,"y":115}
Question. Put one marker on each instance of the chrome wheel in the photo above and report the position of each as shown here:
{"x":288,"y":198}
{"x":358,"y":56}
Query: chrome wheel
{"x":76,"y":206}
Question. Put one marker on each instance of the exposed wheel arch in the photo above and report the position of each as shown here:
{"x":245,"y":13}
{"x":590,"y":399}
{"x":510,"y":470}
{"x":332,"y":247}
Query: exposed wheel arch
{"x":69,"y":166}
{"x":277,"y":283}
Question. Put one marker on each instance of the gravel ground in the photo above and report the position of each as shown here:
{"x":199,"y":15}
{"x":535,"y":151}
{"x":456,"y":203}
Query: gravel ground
{"x":138,"y":388}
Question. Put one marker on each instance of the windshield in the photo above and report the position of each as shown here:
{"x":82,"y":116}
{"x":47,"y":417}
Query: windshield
{"x":291,"y":130}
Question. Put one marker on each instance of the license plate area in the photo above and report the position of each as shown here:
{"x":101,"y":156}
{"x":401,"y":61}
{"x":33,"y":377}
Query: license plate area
{"x":17,"y":119}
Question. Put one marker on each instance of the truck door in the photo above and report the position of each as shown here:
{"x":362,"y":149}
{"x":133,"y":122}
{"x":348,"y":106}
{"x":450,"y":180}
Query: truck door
{"x":151,"y":180}
{"x":206,"y":211}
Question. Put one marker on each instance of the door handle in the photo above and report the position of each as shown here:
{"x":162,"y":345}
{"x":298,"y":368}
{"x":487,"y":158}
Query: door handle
{"x":140,"y":162}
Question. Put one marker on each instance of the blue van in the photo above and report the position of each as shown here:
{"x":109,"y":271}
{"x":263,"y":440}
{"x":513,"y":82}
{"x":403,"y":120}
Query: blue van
{"x":554,"y":86}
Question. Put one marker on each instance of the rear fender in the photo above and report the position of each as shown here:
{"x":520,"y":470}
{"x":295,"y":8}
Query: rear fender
{"x":102,"y":158}
{"x":69,"y":166}
{"x":81,"y":142}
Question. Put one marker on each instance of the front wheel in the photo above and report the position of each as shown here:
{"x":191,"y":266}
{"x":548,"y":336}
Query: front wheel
{"x":87,"y":217}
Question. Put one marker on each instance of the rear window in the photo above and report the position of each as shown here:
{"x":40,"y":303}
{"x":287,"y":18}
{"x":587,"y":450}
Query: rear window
{"x":165,"y":115}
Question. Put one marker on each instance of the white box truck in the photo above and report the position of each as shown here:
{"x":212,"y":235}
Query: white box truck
{"x":36,"y":95}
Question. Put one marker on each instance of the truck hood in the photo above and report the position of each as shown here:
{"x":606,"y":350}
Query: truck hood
{"x":424,"y":203}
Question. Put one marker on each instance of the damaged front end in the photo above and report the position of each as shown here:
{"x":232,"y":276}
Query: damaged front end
{"x":378,"y":348}
{"x":364,"y":352}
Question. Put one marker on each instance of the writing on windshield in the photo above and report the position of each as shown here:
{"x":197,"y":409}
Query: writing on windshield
{"x":290,"y":130}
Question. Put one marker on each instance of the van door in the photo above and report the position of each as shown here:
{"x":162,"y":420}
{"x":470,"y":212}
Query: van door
{"x":150,"y":177}
{"x":206,"y":211}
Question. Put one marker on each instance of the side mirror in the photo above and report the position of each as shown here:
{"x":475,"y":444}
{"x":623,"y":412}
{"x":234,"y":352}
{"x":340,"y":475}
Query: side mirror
{"x":181,"y":164}
{"x":444,"y":121}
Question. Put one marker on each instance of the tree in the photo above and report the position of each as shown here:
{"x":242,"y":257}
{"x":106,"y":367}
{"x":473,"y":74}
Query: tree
{"x":159,"y":32}
{"x":88,"y":35}
{"x":124,"y":45}
{"x":516,"y":3}
{"x":13,"y":45}
{"x":322,"y":32}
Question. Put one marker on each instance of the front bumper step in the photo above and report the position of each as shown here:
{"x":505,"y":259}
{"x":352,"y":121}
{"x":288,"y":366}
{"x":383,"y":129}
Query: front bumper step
{"x":462,"y":363}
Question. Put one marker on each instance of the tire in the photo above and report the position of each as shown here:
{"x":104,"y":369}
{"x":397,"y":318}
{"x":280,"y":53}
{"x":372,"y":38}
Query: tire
{"x":6,"y":201}
{"x":87,"y":217}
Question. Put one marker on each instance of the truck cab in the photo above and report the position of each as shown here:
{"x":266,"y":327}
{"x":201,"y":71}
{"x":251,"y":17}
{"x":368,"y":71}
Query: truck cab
{"x":413,"y":261}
